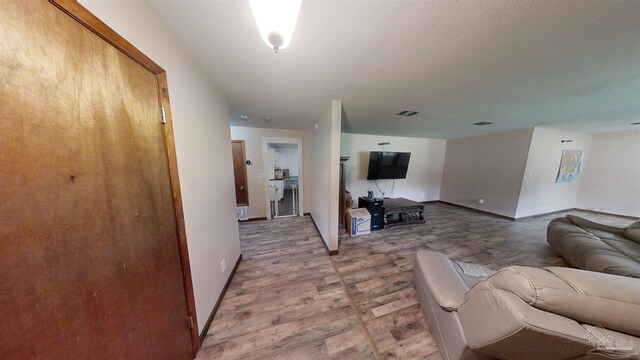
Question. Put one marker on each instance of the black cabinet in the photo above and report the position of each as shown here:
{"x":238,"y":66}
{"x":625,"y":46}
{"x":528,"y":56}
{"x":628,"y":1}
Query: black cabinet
{"x":376,"y":209}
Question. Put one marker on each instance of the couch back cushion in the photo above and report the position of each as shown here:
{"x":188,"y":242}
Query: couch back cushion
{"x":633,"y":232}
{"x":585,"y":223}
{"x":605,"y":300}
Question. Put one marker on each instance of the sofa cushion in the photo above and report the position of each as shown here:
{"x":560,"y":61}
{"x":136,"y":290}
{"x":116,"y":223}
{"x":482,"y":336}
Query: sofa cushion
{"x":629,"y":248}
{"x":576,"y":248}
{"x":613,"y":263}
{"x":592,"y":246}
{"x":595,"y":298}
{"x":584,"y":223}
{"x":633,"y":232}
{"x":499,"y":324}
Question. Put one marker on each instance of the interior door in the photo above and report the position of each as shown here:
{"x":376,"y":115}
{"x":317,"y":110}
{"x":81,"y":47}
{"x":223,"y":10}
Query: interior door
{"x":240,"y":172}
{"x":89,"y":259}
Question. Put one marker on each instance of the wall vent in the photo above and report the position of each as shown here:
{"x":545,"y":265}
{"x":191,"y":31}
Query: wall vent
{"x":483,"y":123}
{"x":407,"y":113}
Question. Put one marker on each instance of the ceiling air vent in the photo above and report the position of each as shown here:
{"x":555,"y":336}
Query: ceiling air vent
{"x":483,"y":123}
{"x":407,"y":113}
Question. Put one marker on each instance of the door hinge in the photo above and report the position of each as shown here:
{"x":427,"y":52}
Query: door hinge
{"x":190,"y":320}
{"x":164,"y":115}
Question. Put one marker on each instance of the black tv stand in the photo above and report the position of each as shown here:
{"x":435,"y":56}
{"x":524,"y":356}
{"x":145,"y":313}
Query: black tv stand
{"x":392,"y":212}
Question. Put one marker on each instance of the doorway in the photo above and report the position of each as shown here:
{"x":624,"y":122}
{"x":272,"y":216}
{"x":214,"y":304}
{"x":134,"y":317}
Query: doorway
{"x":283,"y":174}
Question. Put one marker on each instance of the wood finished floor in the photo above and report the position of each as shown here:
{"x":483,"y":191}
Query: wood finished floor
{"x":290,"y":300}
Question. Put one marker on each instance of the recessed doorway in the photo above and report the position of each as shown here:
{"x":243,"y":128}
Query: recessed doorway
{"x":283,"y":176}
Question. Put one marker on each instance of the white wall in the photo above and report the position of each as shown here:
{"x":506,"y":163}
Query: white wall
{"x":288,"y":159}
{"x":284,"y":158}
{"x":201,"y":126}
{"x":539,"y":193}
{"x":324,"y":175}
{"x":611,"y":178}
{"x":271,"y":163}
{"x":253,"y":146}
{"x":489,"y":167}
{"x":425,"y":166}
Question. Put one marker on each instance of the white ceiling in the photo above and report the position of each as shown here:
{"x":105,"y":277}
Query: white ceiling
{"x":570,"y":64}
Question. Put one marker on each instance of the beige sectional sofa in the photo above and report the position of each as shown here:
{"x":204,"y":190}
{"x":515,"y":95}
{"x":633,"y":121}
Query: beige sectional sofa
{"x":592,"y":246}
{"x":527,"y":313}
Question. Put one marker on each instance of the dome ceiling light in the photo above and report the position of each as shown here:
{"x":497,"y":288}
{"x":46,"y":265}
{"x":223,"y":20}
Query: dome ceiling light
{"x":276,"y":20}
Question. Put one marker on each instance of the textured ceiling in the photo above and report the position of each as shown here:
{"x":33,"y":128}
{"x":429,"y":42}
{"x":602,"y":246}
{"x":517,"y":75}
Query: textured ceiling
{"x":569,"y":64}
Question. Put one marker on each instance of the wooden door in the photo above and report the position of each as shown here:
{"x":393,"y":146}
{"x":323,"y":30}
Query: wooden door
{"x":240,"y":172}
{"x":90,"y":266}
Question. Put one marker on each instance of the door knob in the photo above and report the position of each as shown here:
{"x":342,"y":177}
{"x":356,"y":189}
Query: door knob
{"x":241,"y":187}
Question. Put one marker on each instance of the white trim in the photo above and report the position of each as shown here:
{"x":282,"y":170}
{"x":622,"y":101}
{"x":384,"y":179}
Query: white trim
{"x":265,"y":160}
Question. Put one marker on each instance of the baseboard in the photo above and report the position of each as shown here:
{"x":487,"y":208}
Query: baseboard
{"x":429,"y":201}
{"x":478,"y":210}
{"x":207,"y":325}
{"x":538,"y":215}
{"x":543,"y":214}
{"x":608,"y":213}
{"x":265,"y":218}
{"x":255,"y":219}
{"x":330,"y":252}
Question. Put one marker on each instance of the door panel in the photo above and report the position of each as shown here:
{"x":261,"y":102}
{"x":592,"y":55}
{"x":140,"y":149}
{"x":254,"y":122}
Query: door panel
{"x":240,"y":172}
{"x":89,"y":260}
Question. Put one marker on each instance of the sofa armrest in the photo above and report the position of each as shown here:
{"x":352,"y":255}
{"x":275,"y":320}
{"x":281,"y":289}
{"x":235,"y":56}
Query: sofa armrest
{"x":582,"y":222}
{"x":441,"y":276}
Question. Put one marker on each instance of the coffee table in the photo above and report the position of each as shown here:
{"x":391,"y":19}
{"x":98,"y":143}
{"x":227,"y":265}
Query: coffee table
{"x":401,"y":211}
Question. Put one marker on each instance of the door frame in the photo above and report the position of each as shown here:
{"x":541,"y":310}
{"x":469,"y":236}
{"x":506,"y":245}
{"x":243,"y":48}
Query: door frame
{"x":265,"y":160}
{"x":83,"y":16}
{"x":244,"y":169}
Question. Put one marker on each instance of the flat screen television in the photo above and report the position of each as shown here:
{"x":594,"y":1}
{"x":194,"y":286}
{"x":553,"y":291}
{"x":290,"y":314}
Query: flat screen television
{"x":388,"y":165}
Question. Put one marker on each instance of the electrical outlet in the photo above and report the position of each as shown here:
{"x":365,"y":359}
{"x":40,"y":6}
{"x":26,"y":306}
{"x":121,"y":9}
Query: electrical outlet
{"x":223,"y":265}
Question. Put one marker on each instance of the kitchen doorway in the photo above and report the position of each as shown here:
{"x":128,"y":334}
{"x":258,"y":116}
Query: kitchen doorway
{"x":283,"y":176}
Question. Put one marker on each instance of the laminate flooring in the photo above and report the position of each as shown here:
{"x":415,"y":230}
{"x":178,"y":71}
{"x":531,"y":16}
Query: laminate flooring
{"x":290,"y":300}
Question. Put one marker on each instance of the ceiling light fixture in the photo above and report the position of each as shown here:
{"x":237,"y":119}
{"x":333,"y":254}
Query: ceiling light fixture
{"x":244,"y":117}
{"x":407,"y":113}
{"x":276,"y":20}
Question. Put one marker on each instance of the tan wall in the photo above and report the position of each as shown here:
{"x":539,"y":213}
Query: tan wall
{"x":540,"y":193}
{"x":325,"y":159}
{"x":425,"y":166}
{"x":611,"y":180}
{"x":489,"y":167}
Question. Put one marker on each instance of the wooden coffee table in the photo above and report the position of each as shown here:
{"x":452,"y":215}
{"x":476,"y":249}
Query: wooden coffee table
{"x":401,"y":211}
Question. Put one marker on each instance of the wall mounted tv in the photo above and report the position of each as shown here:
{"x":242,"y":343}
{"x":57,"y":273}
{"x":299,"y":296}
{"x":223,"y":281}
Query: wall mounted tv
{"x":388,"y":165}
